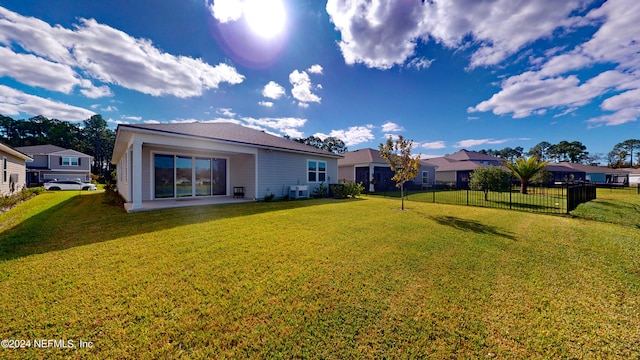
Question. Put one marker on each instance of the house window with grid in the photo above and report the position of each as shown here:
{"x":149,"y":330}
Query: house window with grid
{"x":70,"y":161}
{"x":317,"y":171}
{"x":425,"y":177}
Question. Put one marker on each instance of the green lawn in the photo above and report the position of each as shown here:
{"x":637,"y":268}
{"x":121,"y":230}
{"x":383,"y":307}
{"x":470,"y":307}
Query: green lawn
{"x":318,"y":279}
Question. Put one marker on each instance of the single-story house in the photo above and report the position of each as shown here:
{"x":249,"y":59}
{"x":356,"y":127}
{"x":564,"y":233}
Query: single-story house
{"x":52,"y":162}
{"x":455,"y":170}
{"x":13,"y":177}
{"x":371,"y":169}
{"x":634,"y":177}
{"x":169,"y":162}
{"x":600,"y":175}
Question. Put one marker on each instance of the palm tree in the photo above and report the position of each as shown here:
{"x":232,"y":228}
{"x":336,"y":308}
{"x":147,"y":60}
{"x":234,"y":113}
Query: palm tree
{"x":525,"y":169}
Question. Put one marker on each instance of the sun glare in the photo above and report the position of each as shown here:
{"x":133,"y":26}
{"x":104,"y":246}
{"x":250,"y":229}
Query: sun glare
{"x":267,"y":18}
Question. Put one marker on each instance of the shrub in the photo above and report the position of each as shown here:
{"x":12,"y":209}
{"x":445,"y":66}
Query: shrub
{"x":25,"y":194}
{"x":269,"y":197}
{"x":346,"y":189}
{"x":321,"y":191}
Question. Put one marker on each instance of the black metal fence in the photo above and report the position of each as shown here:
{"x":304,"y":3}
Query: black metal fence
{"x":560,"y":199}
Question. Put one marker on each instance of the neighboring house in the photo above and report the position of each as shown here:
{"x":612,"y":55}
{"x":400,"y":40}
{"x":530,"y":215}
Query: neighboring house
{"x":455,"y":169}
{"x":634,"y":177}
{"x":157,"y":162}
{"x":52,"y":162}
{"x":600,"y":175}
{"x":14,"y":171}
{"x":367,"y":166}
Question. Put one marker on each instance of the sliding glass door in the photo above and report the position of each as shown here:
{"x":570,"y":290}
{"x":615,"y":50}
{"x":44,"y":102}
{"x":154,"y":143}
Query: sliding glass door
{"x":203,"y":177}
{"x":185,"y":176}
{"x":164,"y":175}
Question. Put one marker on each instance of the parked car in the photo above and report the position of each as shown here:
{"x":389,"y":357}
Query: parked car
{"x":68,"y":185}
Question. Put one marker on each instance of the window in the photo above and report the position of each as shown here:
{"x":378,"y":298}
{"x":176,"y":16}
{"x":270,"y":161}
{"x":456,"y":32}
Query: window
{"x":185,"y":176}
{"x":164,"y":181}
{"x":317,"y":171}
{"x":70,"y":161}
{"x":425,"y":177}
{"x":4,"y":169}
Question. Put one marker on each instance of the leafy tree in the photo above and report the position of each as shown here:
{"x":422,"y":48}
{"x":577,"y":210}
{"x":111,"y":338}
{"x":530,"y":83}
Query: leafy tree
{"x":540,"y":150}
{"x":93,"y":138}
{"x":398,"y":155}
{"x":525,"y":169}
{"x":492,"y":178}
{"x":626,"y":149}
{"x":331,"y":144}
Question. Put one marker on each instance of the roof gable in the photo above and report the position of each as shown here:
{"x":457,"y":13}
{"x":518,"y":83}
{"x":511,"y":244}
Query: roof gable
{"x":230,"y":132}
{"x":14,"y":152}
{"x":39,"y":149}
{"x":362,"y":156}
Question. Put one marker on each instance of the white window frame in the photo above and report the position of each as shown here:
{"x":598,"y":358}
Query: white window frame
{"x":5,"y":169}
{"x":317,"y":171}
{"x":69,"y":161}
{"x":425,"y":177}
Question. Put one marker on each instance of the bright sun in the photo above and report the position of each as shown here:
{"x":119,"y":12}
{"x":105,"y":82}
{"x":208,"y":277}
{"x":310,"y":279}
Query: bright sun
{"x":267,"y":18}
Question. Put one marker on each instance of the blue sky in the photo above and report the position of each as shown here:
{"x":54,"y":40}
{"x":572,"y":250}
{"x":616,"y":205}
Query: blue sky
{"x":447,"y":74}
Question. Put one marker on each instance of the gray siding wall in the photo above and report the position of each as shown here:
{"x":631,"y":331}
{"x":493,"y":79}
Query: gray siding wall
{"x":242,"y":169}
{"x":124,"y":177}
{"x":279,"y":170}
{"x":85,"y":163}
{"x":15,"y":166}
{"x":39,"y":162}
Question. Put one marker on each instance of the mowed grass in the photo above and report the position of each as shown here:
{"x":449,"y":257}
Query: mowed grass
{"x":316,"y":279}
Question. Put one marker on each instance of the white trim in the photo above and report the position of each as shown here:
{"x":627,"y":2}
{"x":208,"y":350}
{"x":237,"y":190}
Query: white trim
{"x":317,"y":181}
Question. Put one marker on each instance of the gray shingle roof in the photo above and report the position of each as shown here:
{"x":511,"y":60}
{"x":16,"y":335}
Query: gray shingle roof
{"x":361,"y":156}
{"x":39,"y":149}
{"x":232,"y":133}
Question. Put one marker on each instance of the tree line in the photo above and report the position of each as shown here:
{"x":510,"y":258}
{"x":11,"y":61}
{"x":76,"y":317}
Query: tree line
{"x":91,"y":137}
{"x":574,"y":152}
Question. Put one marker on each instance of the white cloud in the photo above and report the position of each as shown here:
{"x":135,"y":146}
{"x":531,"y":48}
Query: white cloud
{"x":226,"y":10}
{"x":315,"y":69}
{"x":60,"y":59}
{"x":420,"y":63}
{"x":354,"y":135}
{"x":434,"y":145}
{"x":303,"y":105}
{"x":384,"y":33}
{"x":265,"y":103}
{"x":559,"y":84}
{"x":476,"y":142}
{"x":134,"y":118}
{"x":226,"y":112}
{"x":273,"y":90}
{"x":301,"y":90}
{"x":14,"y":102}
{"x":285,"y":125}
{"x":391,"y":127}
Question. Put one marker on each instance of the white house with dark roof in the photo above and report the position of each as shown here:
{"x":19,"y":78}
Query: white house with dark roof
{"x":52,"y":162}
{"x":367,"y":166}
{"x":14,"y":172}
{"x":160,"y":165}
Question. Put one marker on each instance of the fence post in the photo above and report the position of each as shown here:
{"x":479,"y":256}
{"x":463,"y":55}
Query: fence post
{"x":467,"y":197}
{"x":510,"y":196}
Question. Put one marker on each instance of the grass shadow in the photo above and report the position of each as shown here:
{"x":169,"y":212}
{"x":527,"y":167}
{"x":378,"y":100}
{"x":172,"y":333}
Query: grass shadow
{"x":85,"y":219}
{"x":470,"y":226}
